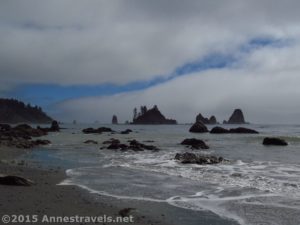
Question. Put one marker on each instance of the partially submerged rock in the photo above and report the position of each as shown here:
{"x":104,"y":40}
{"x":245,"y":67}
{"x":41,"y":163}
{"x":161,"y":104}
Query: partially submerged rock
{"x":198,"y":127}
{"x":90,"y":142}
{"x":99,"y":130}
{"x":197,"y":159}
{"x":204,"y":120}
{"x":243,"y":130}
{"x":274,"y":141}
{"x":114,"y":119}
{"x":15,"y":181}
{"x":194,"y":143}
{"x":133,"y":145}
{"x":127,"y":131}
{"x":219,"y":130}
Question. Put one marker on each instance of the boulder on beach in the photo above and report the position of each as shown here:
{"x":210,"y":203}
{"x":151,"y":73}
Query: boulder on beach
{"x":15,"y":181}
{"x":198,"y":127}
{"x":195,"y":143}
{"x":197,"y":159}
{"x":237,"y":117}
{"x":274,"y":141}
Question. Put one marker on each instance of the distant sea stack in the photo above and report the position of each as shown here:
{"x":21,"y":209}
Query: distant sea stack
{"x":14,"y":111}
{"x":151,"y":116}
{"x":237,"y":117}
{"x":114,"y":119}
{"x":204,"y":120}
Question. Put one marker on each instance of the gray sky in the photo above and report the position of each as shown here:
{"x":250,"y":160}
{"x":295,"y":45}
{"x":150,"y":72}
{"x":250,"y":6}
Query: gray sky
{"x":65,"y":43}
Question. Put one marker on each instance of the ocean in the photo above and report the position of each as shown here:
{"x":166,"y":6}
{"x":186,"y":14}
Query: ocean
{"x":258,"y":185}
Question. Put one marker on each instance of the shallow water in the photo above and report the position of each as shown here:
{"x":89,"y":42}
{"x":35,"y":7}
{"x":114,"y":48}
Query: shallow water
{"x":259,"y":185}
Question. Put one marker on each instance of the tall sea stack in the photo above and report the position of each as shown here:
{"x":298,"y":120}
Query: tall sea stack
{"x":237,"y":117}
{"x":114,"y":119}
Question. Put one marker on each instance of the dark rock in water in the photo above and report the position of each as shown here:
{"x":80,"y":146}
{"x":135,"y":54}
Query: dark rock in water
{"x":195,"y":143}
{"x":54,"y":126}
{"x":197,"y":159}
{"x":242,"y":130}
{"x":111,"y":141}
{"x":151,"y":116}
{"x":90,"y":142}
{"x":274,"y":141}
{"x":97,"y":131}
{"x":133,"y":145}
{"x":41,"y":142}
{"x":15,"y":181}
{"x":219,"y":130}
{"x":137,"y":146}
{"x":127,"y":131}
{"x":204,"y":120}
{"x":114,"y":119}
{"x":237,"y":117}
{"x":198,"y":127}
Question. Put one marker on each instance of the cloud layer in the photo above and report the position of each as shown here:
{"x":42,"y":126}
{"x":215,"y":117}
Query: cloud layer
{"x":96,"y":42}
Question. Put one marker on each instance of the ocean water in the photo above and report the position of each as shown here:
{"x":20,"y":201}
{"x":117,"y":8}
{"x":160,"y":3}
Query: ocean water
{"x":259,"y":185}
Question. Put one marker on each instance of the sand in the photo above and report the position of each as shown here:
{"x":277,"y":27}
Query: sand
{"x":45,"y":197}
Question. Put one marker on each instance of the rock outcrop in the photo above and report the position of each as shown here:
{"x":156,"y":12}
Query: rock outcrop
{"x":14,"y":111}
{"x":274,"y":141}
{"x":198,"y":127}
{"x":239,"y":130}
{"x":151,"y":116}
{"x":114,"y":119}
{"x":134,"y":145}
{"x":15,"y":181}
{"x":21,"y":136}
{"x":219,"y":130}
{"x":237,"y":117}
{"x":99,"y":130}
{"x":197,"y":159}
{"x":90,"y":142}
{"x":127,"y":131}
{"x":195,"y":143}
{"x":204,"y":120}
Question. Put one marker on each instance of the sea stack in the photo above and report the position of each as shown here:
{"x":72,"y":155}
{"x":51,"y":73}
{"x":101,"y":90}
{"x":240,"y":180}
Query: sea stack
{"x":151,"y":116}
{"x":204,"y":120}
{"x":114,"y":119}
{"x":237,"y":117}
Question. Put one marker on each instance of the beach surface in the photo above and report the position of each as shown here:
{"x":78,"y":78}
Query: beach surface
{"x":47,"y":198}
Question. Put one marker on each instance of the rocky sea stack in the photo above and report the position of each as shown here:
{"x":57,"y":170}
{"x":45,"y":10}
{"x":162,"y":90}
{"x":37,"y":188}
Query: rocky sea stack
{"x":151,"y":116}
{"x":114,"y":119}
{"x":204,"y":120}
{"x":237,"y":117}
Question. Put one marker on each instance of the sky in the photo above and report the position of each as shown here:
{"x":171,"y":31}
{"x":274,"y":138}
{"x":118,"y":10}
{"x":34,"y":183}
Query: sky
{"x":87,"y":60}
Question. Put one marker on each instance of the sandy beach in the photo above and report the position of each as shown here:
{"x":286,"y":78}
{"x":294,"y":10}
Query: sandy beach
{"x":45,"y":197}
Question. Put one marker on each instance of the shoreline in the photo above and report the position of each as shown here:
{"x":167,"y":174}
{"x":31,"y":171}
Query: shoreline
{"x":48,"y":198}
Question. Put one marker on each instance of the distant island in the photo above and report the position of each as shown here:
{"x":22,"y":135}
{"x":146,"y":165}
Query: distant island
{"x":204,"y":120}
{"x":150,"y":116}
{"x":14,"y":111}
